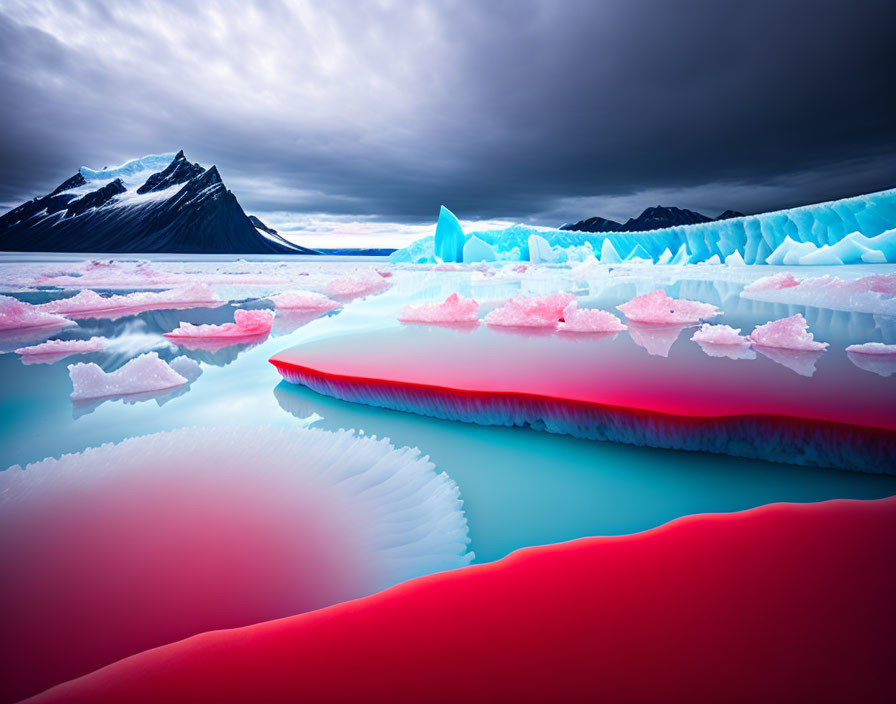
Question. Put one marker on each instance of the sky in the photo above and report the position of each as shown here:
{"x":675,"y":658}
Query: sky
{"x":357,"y":120}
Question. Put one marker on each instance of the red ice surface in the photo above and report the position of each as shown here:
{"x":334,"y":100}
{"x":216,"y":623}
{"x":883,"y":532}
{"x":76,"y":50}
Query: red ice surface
{"x":783,"y":603}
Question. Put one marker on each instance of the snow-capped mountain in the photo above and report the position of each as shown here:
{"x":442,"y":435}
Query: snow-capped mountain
{"x":158,"y":203}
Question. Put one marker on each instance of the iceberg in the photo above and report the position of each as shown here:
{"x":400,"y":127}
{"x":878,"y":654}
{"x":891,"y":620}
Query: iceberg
{"x":735,"y":259}
{"x":874,"y":294}
{"x":247,"y":323}
{"x":361,"y":283}
{"x":531,"y":311}
{"x":454,"y":309}
{"x":449,"y":238}
{"x":658,"y":308}
{"x":148,"y":372}
{"x":874,"y":348}
{"x":475,"y":250}
{"x":86,"y":303}
{"x":787,"y":333}
{"x":539,"y":250}
{"x":586,"y":320}
{"x":160,"y":537}
{"x":720,"y":335}
{"x":800,"y":236}
{"x":16,"y":315}
{"x":54,"y":350}
{"x":303,"y":300}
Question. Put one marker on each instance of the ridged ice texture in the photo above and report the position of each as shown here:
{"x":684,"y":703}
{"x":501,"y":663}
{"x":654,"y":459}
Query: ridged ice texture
{"x":773,"y":438}
{"x":754,"y":237}
{"x":531,"y":311}
{"x":16,"y":315}
{"x":247,"y":323}
{"x":454,"y":309}
{"x":303,"y":300}
{"x":147,"y":372}
{"x":160,"y":537}
{"x":870,"y":294}
{"x":659,"y":308}
{"x":719,"y":335}
{"x":65,"y":347}
{"x":449,"y":237}
{"x":790,"y":333}
{"x":88,"y":301}
{"x":577,"y":319}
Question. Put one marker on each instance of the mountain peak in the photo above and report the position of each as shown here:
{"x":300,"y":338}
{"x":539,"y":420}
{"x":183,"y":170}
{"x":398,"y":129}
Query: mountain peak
{"x":178,"y":171}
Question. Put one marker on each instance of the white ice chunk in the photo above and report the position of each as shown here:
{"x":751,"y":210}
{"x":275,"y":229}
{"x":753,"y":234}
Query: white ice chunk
{"x":539,"y":250}
{"x":475,"y":250}
{"x":608,"y":253}
{"x":144,"y":373}
{"x":303,"y":300}
{"x":735,"y":259}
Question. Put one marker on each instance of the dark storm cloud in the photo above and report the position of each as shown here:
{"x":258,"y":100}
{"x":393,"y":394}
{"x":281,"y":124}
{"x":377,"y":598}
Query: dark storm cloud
{"x":524,"y":110}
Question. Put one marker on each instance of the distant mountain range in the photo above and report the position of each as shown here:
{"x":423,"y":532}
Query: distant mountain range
{"x":655,"y":218}
{"x":159,"y":203}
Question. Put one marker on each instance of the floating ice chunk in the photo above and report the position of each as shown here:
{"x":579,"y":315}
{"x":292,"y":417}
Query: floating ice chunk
{"x":60,"y":349}
{"x":714,"y":259}
{"x":362,"y":282}
{"x":875,"y":348}
{"x":735,"y":259}
{"x":539,"y":250}
{"x":449,"y":238}
{"x":656,"y":339}
{"x":475,"y":250}
{"x":608,"y":253}
{"x":87,"y":301}
{"x":870,"y":294}
{"x":720,"y":335}
{"x":665,"y":257}
{"x":681,"y":256}
{"x":787,"y":333}
{"x":658,"y":308}
{"x":789,"y":252}
{"x":454,"y":309}
{"x":247,"y":323}
{"x":852,"y":249}
{"x":303,"y":300}
{"x":16,"y":315}
{"x":729,"y":351}
{"x":144,"y":373}
{"x":577,"y":319}
{"x":200,"y":529}
{"x":531,"y":311}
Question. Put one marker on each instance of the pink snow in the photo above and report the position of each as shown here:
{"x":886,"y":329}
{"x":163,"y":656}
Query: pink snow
{"x":658,"y":308}
{"x":531,"y":311}
{"x":303,"y":300}
{"x":454,"y":309}
{"x":144,"y":373}
{"x":589,"y":320}
{"x":16,"y":315}
{"x":361,"y":282}
{"x":776,"y":282}
{"x":87,"y":301}
{"x":65,"y":347}
{"x":247,"y":323}
{"x":787,"y":333}
{"x":877,"y":348}
{"x":720,"y":335}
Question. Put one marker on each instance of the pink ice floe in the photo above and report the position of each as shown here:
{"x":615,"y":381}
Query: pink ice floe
{"x":60,"y":349}
{"x":16,"y":315}
{"x":658,"y":308}
{"x":359,"y":283}
{"x":589,"y":320}
{"x":875,"y":294}
{"x":144,"y":373}
{"x":876,"y":348}
{"x":87,"y":302}
{"x":303,"y":300}
{"x":787,"y":333}
{"x":531,"y":311}
{"x":454,"y":309}
{"x":720,"y":335}
{"x":247,"y":323}
{"x":773,"y":283}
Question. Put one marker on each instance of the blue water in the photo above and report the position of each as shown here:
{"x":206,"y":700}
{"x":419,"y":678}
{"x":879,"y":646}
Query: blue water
{"x":520,"y":487}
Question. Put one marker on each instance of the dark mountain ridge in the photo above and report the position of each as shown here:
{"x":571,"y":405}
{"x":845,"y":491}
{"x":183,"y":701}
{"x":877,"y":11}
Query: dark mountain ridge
{"x":655,"y":218}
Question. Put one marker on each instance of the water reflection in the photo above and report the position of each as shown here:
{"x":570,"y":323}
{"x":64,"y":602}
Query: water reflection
{"x":800,"y":361}
{"x":728,"y":351}
{"x":656,"y":339}
{"x":880,"y":364}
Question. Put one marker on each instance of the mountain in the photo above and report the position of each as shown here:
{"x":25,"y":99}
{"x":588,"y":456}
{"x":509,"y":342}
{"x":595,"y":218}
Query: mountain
{"x":655,"y":218}
{"x":158,"y":203}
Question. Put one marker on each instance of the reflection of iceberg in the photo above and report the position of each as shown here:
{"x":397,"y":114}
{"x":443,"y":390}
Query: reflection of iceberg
{"x":148,"y":372}
{"x":729,"y":351}
{"x":212,"y":344}
{"x":55,"y":350}
{"x":13,"y":339}
{"x":656,"y":339}
{"x":198,"y":529}
{"x":84,"y":407}
{"x":880,"y":364}
{"x":288,"y":321}
{"x":89,"y":304}
{"x":800,"y":361}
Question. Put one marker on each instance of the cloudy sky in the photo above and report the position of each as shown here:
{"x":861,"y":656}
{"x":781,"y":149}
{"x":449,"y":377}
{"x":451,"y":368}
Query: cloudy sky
{"x":364,"y":117}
